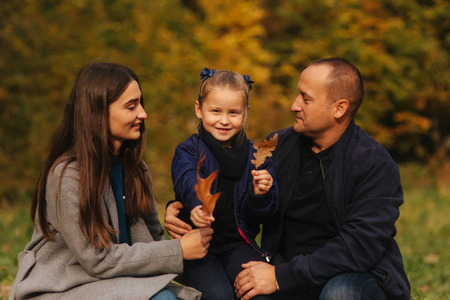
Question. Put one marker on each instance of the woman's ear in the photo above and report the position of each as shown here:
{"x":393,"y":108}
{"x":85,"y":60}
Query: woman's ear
{"x":198,"y":110}
{"x":340,"y":108}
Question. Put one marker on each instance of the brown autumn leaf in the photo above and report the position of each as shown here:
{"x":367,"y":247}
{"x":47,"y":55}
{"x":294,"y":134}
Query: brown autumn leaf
{"x":203,"y":188}
{"x":264,"y":149}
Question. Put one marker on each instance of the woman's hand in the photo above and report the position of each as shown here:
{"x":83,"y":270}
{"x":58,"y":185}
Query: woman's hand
{"x":200,"y":218}
{"x":262,"y":181}
{"x":195,"y":243}
{"x":174,"y":226}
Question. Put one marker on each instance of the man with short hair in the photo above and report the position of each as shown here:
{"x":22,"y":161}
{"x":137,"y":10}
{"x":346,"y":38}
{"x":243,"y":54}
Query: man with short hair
{"x":340,"y":194}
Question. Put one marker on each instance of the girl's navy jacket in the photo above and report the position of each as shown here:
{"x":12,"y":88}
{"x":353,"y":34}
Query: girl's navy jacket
{"x":250,"y":210}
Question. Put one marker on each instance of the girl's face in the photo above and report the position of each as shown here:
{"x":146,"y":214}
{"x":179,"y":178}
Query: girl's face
{"x":223,"y":114}
{"x":125,"y":116}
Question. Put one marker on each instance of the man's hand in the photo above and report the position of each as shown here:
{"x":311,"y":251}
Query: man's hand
{"x":257,"y":278}
{"x":174,"y":226}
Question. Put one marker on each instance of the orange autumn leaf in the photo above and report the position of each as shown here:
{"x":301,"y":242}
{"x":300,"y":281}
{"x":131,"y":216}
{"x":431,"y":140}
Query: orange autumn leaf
{"x":203,"y":188}
{"x":264,"y":149}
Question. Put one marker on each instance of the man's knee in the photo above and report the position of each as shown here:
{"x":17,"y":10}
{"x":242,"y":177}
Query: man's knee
{"x":336,"y":289}
{"x":354,"y":286}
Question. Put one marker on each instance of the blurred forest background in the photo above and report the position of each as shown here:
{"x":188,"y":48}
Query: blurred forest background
{"x":401,"y":48}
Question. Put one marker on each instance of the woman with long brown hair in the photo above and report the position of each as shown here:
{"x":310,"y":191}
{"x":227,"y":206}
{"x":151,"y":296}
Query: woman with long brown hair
{"x":97,"y":232}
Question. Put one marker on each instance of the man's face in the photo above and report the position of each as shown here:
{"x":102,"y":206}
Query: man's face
{"x":313,"y":111}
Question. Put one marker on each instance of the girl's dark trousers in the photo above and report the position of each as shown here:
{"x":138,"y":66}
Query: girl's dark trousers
{"x":214,"y":274}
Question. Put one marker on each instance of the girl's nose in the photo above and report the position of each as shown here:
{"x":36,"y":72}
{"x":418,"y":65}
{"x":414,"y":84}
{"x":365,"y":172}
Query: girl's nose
{"x":224,"y":119}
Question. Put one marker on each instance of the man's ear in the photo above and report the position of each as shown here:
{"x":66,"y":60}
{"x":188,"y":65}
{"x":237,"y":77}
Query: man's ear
{"x":198,"y":110}
{"x":341,"y":108}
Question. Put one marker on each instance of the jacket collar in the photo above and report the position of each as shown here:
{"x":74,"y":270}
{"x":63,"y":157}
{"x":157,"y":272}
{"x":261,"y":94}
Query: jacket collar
{"x":340,"y":147}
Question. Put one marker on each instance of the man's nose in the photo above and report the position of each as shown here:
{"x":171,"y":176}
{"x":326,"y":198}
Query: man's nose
{"x":296,"y":106}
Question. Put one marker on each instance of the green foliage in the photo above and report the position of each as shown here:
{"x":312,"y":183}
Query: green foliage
{"x":401,"y":51}
{"x":400,"y":46}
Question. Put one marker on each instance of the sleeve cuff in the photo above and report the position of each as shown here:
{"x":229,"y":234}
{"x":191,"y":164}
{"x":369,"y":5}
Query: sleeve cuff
{"x":259,"y":201}
{"x":285,"y":277}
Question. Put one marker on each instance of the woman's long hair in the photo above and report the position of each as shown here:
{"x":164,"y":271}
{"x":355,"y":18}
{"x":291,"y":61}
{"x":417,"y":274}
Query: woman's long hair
{"x":83,"y":136}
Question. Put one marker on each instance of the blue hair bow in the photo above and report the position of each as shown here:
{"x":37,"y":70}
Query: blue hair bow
{"x":249,"y":81}
{"x":206,"y":73}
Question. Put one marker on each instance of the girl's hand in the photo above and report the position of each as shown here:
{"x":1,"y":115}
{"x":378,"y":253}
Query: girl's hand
{"x":200,"y":218}
{"x":195,"y":243}
{"x":262,"y":181}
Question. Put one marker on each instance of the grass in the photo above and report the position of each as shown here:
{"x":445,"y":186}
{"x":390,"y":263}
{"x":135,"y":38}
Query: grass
{"x":16,"y":229}
{"x":423,"y":232}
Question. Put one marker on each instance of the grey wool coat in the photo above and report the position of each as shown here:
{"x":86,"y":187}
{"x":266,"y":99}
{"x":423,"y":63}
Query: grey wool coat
{"x":70,"y":268}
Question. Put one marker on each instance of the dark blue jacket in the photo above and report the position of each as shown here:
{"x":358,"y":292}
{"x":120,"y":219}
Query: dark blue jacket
{"x":363,"y":192}
{"x":250,"y":210}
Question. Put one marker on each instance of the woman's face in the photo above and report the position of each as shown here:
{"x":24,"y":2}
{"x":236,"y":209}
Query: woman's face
{"x":125,"y":116}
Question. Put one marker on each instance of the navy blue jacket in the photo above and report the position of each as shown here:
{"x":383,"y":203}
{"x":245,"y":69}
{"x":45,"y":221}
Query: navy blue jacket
{"x":363,"y":192}
{"x":250,"y":210}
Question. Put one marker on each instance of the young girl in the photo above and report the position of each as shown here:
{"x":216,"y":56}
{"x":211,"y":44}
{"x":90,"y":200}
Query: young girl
{"x":248,"y":196}
{"x":97,"y":233}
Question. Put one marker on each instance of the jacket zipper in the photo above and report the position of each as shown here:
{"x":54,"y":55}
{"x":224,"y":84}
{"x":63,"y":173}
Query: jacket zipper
{"x":263,"y":254}
{"x":326,"y":196}
{"x":323,"y":179}
{"x":290,"y":193}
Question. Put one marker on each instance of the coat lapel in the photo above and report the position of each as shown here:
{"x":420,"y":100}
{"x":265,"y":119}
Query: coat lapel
{"x":139,"y":232}
{"x":138,"y":229}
